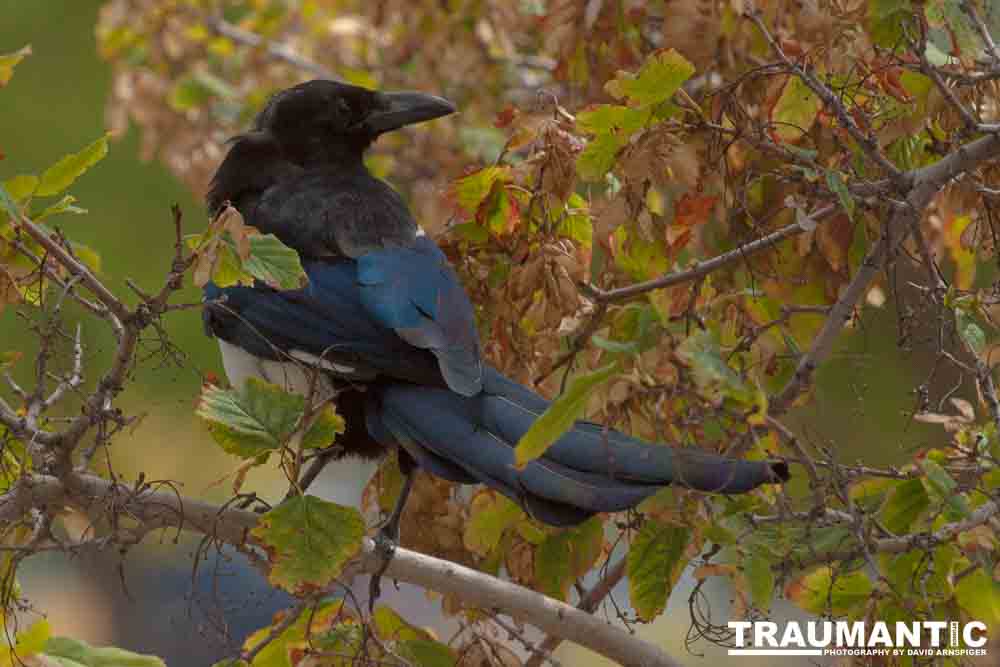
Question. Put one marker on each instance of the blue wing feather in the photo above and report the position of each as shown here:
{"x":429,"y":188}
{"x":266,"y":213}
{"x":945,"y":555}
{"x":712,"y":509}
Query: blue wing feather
{"x":413,"y":291}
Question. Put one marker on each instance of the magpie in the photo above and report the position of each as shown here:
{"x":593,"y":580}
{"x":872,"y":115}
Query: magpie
{"x":385,"y":325}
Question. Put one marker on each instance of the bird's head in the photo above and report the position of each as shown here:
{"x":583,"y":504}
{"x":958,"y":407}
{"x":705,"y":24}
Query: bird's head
{"x":319,"y":120}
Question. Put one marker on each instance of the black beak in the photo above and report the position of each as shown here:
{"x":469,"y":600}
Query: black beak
{"x":398,"y":109}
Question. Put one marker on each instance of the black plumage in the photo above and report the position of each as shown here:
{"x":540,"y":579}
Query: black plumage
{"x":386,"y":317}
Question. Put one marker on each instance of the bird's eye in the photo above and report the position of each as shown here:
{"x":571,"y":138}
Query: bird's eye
{"x":343,"y":108}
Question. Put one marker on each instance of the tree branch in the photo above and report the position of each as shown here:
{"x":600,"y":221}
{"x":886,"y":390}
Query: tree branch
{"x":590,"y":602}
{"x":78,"y":269}
{"x":925,"y":182}
{"x":702,"y":269}
{"x":155,"y":508}
{"x":276,"y":50}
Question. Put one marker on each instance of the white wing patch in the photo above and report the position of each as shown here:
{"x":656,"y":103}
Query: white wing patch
{"x":313,"y":360}
{"x":240,"y":365}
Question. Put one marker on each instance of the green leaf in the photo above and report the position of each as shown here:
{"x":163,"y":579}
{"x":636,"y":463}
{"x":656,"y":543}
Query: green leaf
{"x":614,"y":346}
{"x":835,"y":181}
{"x":820,"y":592}
{"x":597,"y":158}
{"x":8,"y":203}
{"x":226,"y":269}
{"x":390,"y":626}
{"x":8,"y":61}
{"x":326,"y":425}
{"x":576,"y":223}
{"x":9,"y":358}
{"x":472,"y":231}
{"x":719,"y":534}
{"x":63,"y":173}
{"x":561,"y":414}
{"x":309,"y":541}
{"x":490,"y":514}
{"x":759,"y":573}
{"x":81,"y":653}
{"x":608,"y":118}
{"x":498,"y":210}
{"x":711,"y":372}
{"x":656,"y":81}
{"x":470,"y":191}
{"x":905,"y":503}
{"x":795,"y":111}
{"x":316,"y":621}
{"x":886,"y":19}
{"x":28,"y":643}
{"x":64,"y":205}
{"x":21,"y":187}
{"x":655,"y":562}
{"x":941,"y":484}
{"x":642,"y":259}
{"x":274,"y":263}
{"x":567,"y":555}
{"x":971,"y":332}
{"x":962,"y":37}
{"x":255,"y":421}
{"x":426,"y":653}
{"x":979,"y":594}
{"x":193,"y":91}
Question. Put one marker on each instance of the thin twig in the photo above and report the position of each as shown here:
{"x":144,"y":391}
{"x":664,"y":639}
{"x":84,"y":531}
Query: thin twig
{"x":702,"y":269}
{"x":588,"y":603}
{"x":276,"y":50}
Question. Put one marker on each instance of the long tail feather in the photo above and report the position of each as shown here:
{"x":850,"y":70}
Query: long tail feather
{"x":590,"y":469}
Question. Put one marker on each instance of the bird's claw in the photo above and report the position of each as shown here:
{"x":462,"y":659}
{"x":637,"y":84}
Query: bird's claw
{"x":385,"y":548}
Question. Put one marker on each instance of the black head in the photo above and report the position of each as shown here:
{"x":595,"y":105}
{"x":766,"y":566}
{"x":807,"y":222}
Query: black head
{"x":321,"y":120}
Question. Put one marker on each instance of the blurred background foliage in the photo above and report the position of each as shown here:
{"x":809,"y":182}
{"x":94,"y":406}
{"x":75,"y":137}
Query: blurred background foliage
{"x":59,"y":101}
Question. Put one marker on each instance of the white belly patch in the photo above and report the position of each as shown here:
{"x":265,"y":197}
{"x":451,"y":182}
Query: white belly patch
{"x":293,"y":377}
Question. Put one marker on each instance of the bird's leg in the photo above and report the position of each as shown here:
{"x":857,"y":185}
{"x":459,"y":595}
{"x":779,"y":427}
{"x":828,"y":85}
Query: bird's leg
{"x":387,"y":537}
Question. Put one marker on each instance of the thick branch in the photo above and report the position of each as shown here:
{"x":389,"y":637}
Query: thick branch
{"x":926,"y":183}
{"x":822,"y":345}
{"x":155,"y":508}
{"x":590,"y":602}
{"x":551,"y":616}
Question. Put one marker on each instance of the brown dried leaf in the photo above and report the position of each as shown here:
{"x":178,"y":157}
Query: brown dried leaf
{"x":833,"y":238}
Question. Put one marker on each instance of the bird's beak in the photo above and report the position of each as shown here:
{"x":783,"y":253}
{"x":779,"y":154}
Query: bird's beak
{"x":398,"y":109}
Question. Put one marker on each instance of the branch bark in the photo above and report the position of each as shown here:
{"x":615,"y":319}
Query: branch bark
{"x":151,"y":507}
{"x":925,"y":183}
{"x":702,"y":269}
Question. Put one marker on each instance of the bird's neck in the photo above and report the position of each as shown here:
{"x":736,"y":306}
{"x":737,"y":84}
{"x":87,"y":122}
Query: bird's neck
{"x":346,"y":155}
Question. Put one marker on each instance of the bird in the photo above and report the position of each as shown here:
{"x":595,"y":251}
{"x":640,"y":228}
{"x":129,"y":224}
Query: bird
{"x":387,"y":327}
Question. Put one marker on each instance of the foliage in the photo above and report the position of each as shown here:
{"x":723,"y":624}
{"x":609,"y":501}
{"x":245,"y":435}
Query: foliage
{"x":669,"y":239}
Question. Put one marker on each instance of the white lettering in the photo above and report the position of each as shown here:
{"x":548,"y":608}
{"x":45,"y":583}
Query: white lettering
{"x":880,"y":635}
{"x":765,"y":630}
{"x":740,"y":627}
{"x":850,"y":634}
{"x":967,"y":637}
{"x":793,"y":636}
{"x":907,"y":634}
{"x":936,"y":628}
{"x":827,"y":634}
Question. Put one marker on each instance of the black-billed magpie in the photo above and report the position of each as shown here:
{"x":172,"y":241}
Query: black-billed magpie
{"x":386,"y":323}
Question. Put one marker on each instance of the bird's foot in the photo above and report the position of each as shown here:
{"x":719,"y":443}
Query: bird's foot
{"x":386,"y":541}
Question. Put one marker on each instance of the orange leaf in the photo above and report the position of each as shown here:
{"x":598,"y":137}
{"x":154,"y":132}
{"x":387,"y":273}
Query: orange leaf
{"x":506,"y":117}
{"x":834,"y":241}
{"x":693,"y":210}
